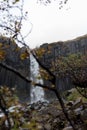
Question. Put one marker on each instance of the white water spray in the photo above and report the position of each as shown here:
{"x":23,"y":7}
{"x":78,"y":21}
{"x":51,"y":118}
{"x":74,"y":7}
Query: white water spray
{"x":37,"y":93}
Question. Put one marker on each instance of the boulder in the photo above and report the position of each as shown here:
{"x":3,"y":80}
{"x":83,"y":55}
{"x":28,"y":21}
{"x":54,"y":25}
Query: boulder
{"x":68,"y":128}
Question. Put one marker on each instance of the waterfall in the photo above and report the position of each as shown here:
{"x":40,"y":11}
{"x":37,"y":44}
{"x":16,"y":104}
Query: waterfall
{"x":37,"y":93}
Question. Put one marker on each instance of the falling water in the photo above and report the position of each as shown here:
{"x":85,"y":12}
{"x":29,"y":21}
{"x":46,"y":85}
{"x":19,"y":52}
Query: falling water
{"x":37,"y":93}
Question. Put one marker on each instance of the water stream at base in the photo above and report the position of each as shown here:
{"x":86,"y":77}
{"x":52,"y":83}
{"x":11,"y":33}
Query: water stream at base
{"x":37,"y":93}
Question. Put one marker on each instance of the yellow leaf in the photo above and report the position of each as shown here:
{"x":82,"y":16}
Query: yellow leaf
{"x":1,"y":45}
{"x":24,"y":55}
{"x":2,"y":54}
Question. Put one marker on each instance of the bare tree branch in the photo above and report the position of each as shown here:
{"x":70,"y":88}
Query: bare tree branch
{"x":14,"y":71}
{"x":44,"y":86}
{"x":44,"y":67}
{"x":63,"y":106}
{"x":23,"y":77}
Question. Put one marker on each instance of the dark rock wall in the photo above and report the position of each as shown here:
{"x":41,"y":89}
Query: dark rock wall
{"x":57,"y":49}
{"x":12,"y":58}
{"x":78,"y":45}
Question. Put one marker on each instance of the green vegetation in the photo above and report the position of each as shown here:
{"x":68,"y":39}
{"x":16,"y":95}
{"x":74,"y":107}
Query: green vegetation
{"x":73,"y":95}
{"x":73,"y":66}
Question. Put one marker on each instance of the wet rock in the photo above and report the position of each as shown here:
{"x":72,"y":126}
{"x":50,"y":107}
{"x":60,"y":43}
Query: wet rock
{"x":68,"y":128}
{"x":23,"y":129}
{"x":84,"y":115}
{"x":37,"y":105}
{"x":68,"y":93}
{"x":1,"y":115}
{"x":78,"y":110}
{"x":70,"y":103}
{"x":47,"y":127}
{"x":77,"y":103}
{"x":40,"y":127}
{"x":83,"y":127}
{"x":54,"y":112}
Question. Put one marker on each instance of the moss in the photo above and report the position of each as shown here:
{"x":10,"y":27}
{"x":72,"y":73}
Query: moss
{"x":73,"y":95}
{"x":31,"y":125}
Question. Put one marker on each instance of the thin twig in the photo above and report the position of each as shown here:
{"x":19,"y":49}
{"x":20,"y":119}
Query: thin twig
{"x":14,"y":71}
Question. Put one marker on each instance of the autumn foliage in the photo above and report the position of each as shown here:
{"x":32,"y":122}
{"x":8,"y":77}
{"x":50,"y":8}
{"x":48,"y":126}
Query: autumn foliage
{"x":73,"y":66}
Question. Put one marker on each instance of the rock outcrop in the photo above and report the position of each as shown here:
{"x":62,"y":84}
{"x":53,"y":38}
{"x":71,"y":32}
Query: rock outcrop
{"x":17,"y":58}
{"x":58,"y":49}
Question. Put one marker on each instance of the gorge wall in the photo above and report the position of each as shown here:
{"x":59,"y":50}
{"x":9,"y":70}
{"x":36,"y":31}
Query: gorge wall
{"x":57,"y":49}
{"x":17,"y":58}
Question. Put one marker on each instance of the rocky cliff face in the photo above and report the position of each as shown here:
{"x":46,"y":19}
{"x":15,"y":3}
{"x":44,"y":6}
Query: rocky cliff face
{"x":18,"y":58}
{"x":57,"y":49}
